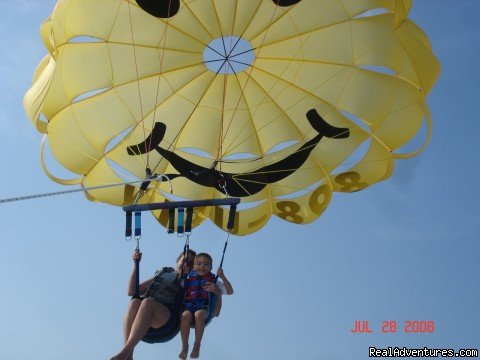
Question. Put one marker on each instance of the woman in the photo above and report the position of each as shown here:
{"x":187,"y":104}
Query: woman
{"x":155,"y":309}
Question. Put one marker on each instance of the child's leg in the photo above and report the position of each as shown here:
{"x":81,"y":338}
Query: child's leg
{"x":186,"y":320}
{"x":199,"y":328}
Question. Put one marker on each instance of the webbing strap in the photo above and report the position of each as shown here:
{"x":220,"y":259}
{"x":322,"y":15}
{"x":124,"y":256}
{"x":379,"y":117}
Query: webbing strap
{"x":128,"y":224}
{"x":231,"y":216}
{"x":180,"y":226}
{"x":138,"y":224}
{"x":188,"y":221}
{"x":171,"y":221}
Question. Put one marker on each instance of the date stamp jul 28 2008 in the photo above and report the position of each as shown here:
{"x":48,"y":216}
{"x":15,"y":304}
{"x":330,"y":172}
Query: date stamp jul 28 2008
{"x":392,"y":326}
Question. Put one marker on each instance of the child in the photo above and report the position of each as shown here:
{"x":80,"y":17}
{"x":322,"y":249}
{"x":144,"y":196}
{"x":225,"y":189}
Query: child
{"x":199,"y":283}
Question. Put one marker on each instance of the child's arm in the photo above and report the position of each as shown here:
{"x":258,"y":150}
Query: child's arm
{"x":225,"y":281}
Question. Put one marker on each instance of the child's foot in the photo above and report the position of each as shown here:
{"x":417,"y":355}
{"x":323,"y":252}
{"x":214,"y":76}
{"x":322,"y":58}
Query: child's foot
{"x":183,"y":353}
{"x":195,"y":354}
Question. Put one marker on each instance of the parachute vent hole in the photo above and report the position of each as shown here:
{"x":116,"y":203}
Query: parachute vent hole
{"x":379,"y":69}
{"x":89,"y":94}
{"x":121,"y":172}
{"x":372,"y":12}
{"x":228,"y":55}
{"x":281,"y":146}
{"x":354,"y":158}
{"x":356,"y":120}
{"x":84,"y":39}
{"x":173,"y":197}
{"x":197,"y":152}
{"x":239,"y":156}
{"x":117,"y":139}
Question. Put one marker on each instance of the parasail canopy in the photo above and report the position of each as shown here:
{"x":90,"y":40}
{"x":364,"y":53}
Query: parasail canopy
{"x":265,"y":100}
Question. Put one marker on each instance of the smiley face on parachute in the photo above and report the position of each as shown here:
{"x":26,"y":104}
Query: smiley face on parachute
{"x":232,"y":184}
{"x":261,"y":99}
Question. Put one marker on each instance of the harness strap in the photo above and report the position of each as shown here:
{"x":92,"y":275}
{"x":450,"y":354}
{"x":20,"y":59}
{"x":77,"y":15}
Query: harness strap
{"x":128,"y":225}
{"x":138,"y":224}
{"x":231,"y":217}
{"x":188,"y":221}
{"x":171,"y":221}
{"x":180,"y":226}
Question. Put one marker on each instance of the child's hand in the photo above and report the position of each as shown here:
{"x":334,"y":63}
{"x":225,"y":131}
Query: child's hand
{"x":220,"y":272}
{"x":211,"y":287}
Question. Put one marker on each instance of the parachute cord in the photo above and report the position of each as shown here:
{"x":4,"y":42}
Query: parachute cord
{"x":220,"y":134}
{"x":136,"y":72}
{"x":250,"y":72}
{"x":162,"y":58}
{"x":186,"y":249}
{"x":223,"y":254}
{"x":188,"y":118}
{"x":83,"y":189}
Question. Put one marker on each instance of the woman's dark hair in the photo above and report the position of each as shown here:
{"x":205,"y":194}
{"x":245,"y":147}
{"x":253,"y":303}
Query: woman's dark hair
{"x":189,"y":252}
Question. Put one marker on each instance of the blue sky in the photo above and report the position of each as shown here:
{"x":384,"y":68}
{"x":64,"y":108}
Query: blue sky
{"x":404,"y":249}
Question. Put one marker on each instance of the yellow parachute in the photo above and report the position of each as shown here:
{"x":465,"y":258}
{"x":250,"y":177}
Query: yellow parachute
{"x":265,"y":100}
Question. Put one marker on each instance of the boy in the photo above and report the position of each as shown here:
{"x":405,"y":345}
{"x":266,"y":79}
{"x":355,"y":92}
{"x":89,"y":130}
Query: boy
{"x":199,"y":283}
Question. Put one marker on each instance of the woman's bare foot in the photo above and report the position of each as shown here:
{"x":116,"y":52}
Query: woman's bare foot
{"x":123,"y":355}
{"x":183,"y":354}
{"x":195,"y":354}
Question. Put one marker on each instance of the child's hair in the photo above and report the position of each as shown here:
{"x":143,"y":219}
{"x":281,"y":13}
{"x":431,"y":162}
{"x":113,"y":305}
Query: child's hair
{"x":189,"y":252}
{"x":205,"y":255}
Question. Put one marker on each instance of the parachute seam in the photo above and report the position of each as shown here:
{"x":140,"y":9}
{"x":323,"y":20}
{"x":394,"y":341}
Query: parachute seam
{"x":176,"y":28}
{"x":252,"y":18}
{"x":323,"y":139}
{"x":112,"y":80}
{"x":255,"y":134}
{"x":300,"y":34}
{"x":160,"y":75}
{"x":277,"y":79}
{"x":177,"y":136}
{"x":199,"y":22}
{"x":250,"y":72}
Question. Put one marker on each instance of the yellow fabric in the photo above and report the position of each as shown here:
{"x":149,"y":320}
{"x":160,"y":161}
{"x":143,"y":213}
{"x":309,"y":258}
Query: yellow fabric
{"x":113,"y":71}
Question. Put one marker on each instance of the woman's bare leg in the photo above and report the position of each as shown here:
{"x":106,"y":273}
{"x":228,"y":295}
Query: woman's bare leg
{"x":199,"y":328}
{"x":130,"y":315}
{"x":185,"y":332}
{"x":150,"y":313}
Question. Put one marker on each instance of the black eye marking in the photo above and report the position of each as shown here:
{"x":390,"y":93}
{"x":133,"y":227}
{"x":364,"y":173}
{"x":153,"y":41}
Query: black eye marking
{"x":286,"y":2}
{"x":160,"y":8}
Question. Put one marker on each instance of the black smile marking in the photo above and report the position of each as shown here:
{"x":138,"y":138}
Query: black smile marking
{"x":243,"y":184}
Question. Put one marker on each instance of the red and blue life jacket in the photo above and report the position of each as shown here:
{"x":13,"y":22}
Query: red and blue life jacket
{"x":194,"y":286}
